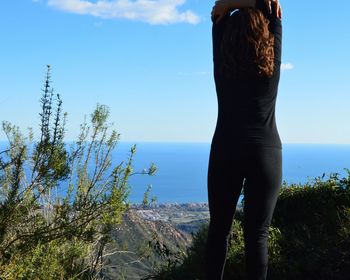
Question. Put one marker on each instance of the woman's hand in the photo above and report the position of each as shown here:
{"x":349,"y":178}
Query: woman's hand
{"x":276,"y":5}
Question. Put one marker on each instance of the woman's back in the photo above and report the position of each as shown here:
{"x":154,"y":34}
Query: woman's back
{"x":246,"y":104}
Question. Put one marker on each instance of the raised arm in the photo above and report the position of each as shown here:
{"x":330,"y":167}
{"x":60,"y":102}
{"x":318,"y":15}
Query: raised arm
{"x":222,"y":7}
{"x":220,"y":15}
{"x":273,"y":12}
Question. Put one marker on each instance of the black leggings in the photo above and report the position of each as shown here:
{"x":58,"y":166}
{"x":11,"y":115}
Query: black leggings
{"x":261,"y":167}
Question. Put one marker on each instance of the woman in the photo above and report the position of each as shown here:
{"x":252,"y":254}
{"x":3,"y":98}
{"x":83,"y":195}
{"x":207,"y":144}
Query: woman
{"x":246,"y":149}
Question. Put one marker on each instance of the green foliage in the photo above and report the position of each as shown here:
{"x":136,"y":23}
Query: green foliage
{"x":47,"y":235}
{"x":314,"y":222}
{"x":309,"y":237}
{"x":52,"y":260}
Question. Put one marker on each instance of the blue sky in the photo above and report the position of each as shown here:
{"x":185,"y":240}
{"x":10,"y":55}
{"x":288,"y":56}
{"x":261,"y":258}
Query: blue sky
{"x":151,"y":63}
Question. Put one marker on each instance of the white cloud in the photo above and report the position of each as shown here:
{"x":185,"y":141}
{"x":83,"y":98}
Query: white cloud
{"x":287,"y":66}
{"x":150,"y":11}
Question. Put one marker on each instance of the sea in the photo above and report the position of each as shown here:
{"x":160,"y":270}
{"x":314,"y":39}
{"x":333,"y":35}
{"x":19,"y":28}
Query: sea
{"x":182,"y":167}
{"x":181,"y":175}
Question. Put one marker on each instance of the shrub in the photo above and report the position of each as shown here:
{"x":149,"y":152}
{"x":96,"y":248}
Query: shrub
{"x":45,"y":234}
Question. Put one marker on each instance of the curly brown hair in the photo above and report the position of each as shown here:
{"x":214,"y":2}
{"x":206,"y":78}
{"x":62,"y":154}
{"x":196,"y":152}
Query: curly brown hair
{"x":248,"y":45}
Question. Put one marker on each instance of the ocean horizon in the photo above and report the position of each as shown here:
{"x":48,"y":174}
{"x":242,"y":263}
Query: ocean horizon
{"x":182,"y":167}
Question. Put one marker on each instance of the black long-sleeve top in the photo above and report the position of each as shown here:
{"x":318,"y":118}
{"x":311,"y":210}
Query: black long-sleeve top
{"x":246,"y":106}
